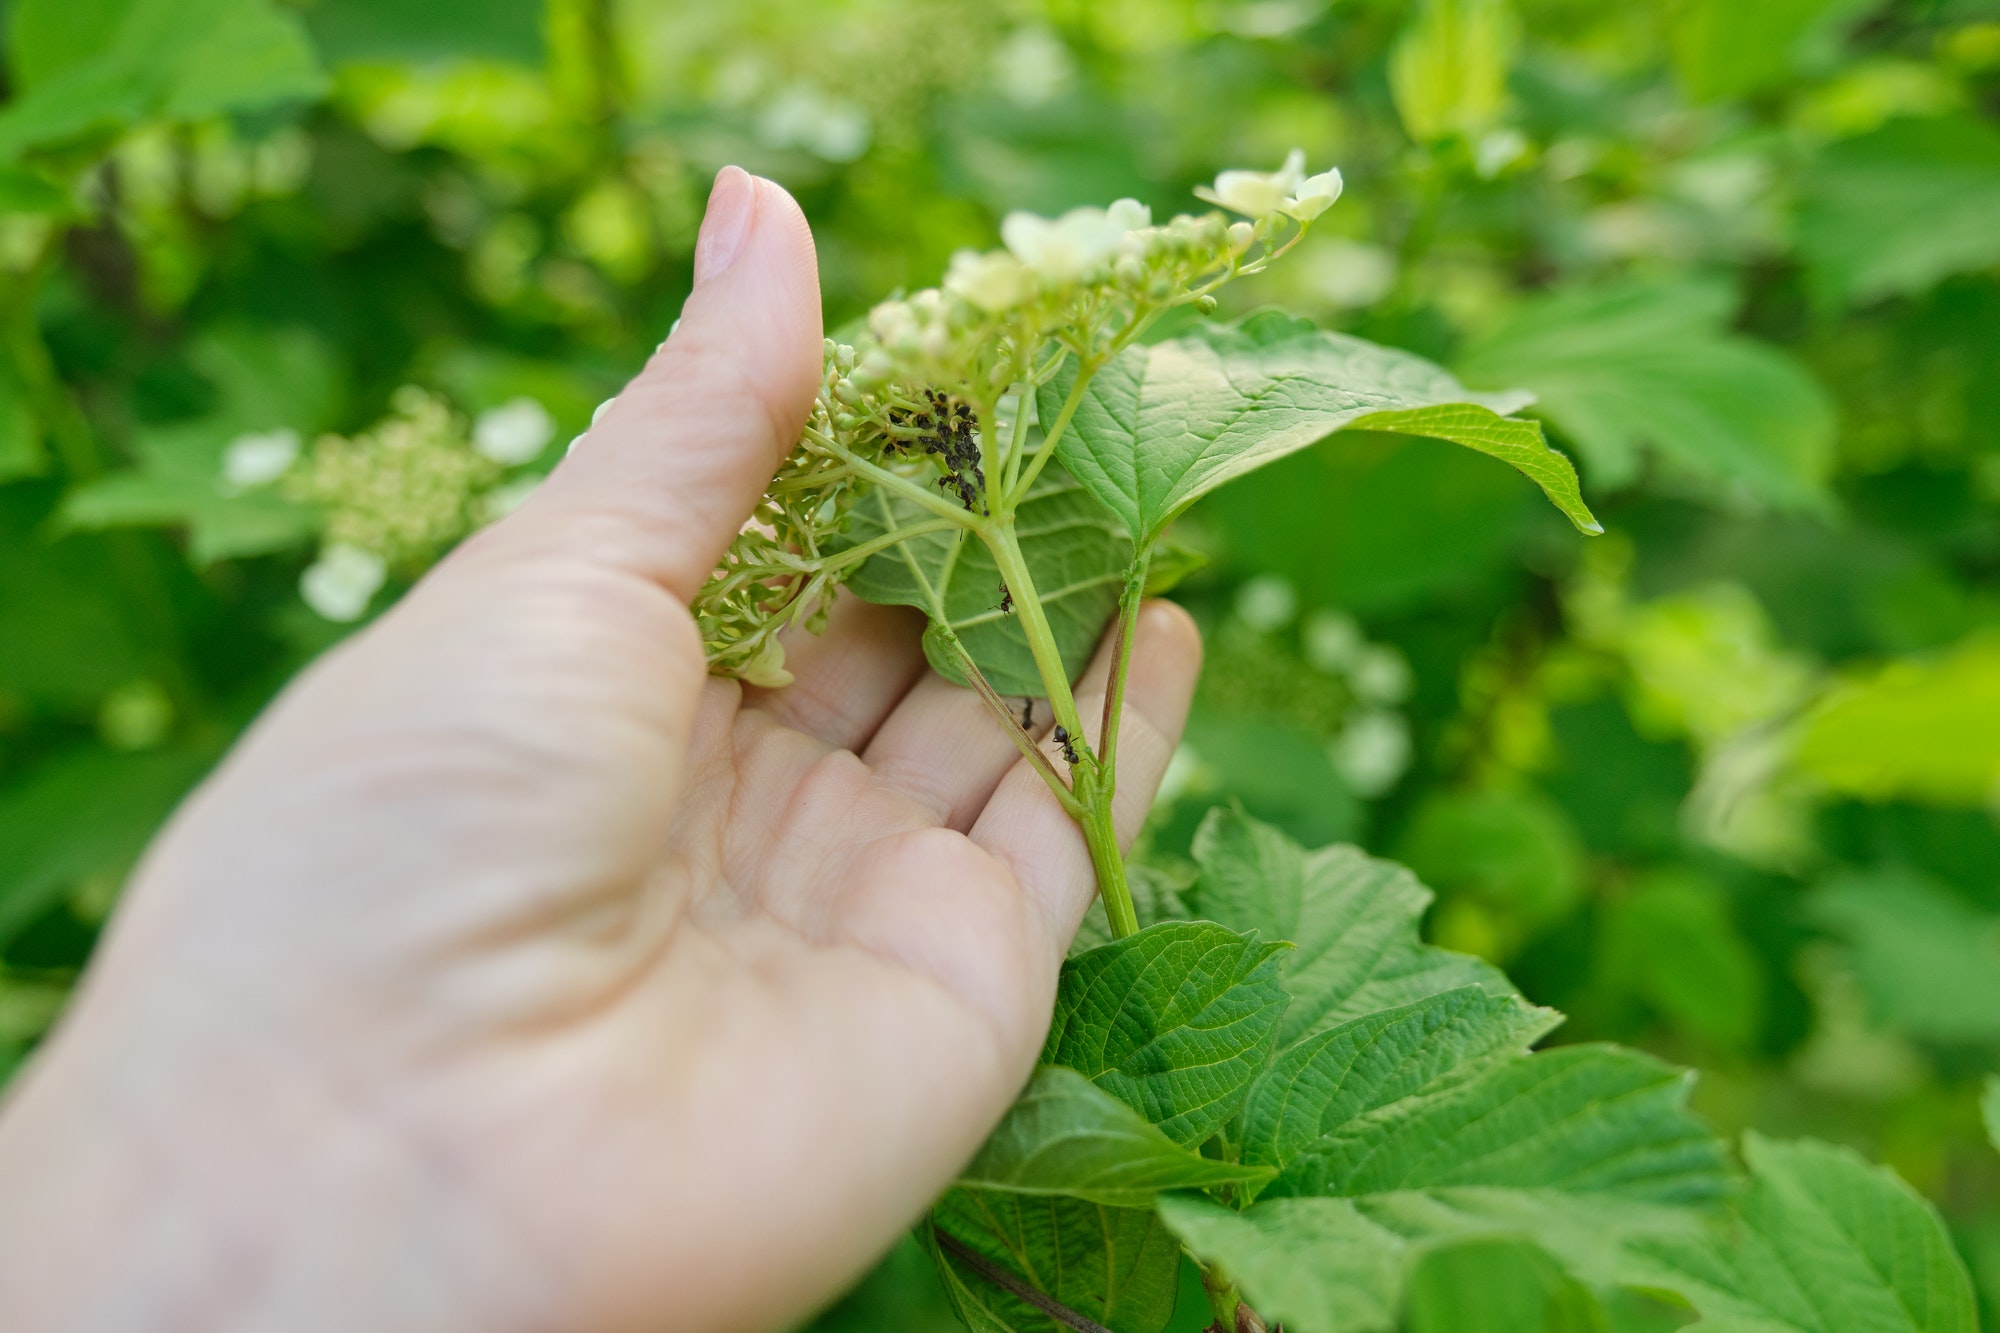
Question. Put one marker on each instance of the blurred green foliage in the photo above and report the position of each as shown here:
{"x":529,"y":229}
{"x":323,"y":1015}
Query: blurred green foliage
{"x":1721,"y":784}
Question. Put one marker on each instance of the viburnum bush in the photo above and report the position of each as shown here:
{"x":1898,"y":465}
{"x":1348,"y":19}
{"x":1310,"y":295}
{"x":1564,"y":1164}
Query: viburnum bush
{"x":1260,"y":1066}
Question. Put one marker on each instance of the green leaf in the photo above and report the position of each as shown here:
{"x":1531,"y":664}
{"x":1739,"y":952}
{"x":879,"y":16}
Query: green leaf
{"x":1990,"y":1106}
{"x":1724,"y":49}
{"x":69,"y":638}
{"x":21,"y":453}
{"x":1324,"y":1083}
{"x":1925,"y":729}
{"x":1651,"y":366}
{"x":1511,"y":849}
{"x":1893,"y":211}
{"x":84,"y":815}
{"x":350,"y":30}
{"x":1928,"y":962}
{"x":1163,"y":424}
{"x":1065,"y":1135}
{"x":1353,"y":918}
{"x":1448,"y":70}
{"x":1174,"y":1021}
{"x":1076,"y":555}
{"x":1821,"y":1243}
{"x":1316,"y":1265}
{"x":106,"y":64}
{"x":1338,"y":1265}
{"x":1583,"y":1119}
{"x":1497,"y":1285}
{"x":264,"y":379}
{"x":1117,"y":1266}
{"x":1592,"y":1234}
{"x":1670,"y":943}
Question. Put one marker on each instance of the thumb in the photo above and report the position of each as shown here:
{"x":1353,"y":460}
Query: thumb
{"x":674,"y":464}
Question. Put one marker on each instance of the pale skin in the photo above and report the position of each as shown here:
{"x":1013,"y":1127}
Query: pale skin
{"x":512,"y":973}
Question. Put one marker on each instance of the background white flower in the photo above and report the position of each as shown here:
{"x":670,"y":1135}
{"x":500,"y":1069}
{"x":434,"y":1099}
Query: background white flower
{"x":341,"y":583}
{"x":514,"y":432}
{"x":259,"y":459}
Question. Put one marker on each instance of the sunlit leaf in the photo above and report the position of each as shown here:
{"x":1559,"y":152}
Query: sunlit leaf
{"x":1163,"y":424}
{"x":1353,"y":918}
{"x":1896,"y":210}
{"x":1724,"y":49}
{"x":1928,"y":961}
{"x":1651,"y":367}
{"x":105,"y":64}
{"x":1921,"y":728}
{"x":1174,"y":1021}
{"x":1448,"y":69}
{"x":1323,"y":1084}
{"x":1065,"y":1135}
{"x":1583,"y":1119}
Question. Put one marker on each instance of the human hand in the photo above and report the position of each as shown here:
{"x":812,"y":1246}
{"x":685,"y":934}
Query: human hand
{"x":512,"y":973}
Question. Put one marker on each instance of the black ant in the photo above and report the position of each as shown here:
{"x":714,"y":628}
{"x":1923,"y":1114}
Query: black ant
{"x":1006,"y":600}
{"x":1027,"y":714}
{"x":1068,"y":743}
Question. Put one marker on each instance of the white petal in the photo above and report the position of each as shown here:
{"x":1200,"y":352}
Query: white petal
{"x":259,"y":459}
{"x":514,"y":432}
{"x":341,"y":583}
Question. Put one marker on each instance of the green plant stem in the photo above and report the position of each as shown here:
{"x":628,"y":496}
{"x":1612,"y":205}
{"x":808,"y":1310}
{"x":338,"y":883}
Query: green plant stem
{"x":1050,"y":437}
{"x":1223,"y":1298}
{"x":1087,"y":779}
{"x":1006,"y":547}
{"x":1100,"y":835}
{"x":998,"y":707}
{"x":1129,"y":603}
{"x":901,"y":485}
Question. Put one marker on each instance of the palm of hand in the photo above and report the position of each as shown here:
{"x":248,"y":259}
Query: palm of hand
{"x":541,"y":981}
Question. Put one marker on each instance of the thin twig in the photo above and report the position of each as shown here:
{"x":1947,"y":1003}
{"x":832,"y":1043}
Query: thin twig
{"x":1015,"y":732}
{"x":1007,"y":1282}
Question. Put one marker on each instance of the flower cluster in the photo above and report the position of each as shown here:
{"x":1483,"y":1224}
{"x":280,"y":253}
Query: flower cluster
{"x":922,"y":396}
{"x":777,"y":572}
{"x":395,"y":497}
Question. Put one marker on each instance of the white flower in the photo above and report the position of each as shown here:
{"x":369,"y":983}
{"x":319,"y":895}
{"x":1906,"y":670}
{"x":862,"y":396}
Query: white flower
{"x":1267,"y":603}
{"x":504,"y":500}
{"x":340,"y":584}
{"x":1257,"y":194}
{"x":994,"y":281}
{"x":514,"y":432}
{"x":894,"y":324}
{"x":1033,"y":66}
{"x":260,"y":459}
{"x":1066,"y":248}
{"x":1332,"y":641}
{"x":1371,"y":752}
{"x":1129,"y":214}
{"x":1314,"y":196}
{"x":1381,"y":675}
